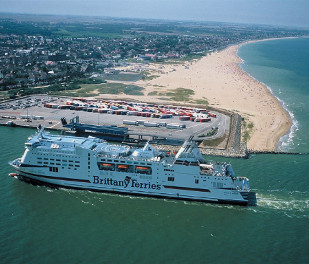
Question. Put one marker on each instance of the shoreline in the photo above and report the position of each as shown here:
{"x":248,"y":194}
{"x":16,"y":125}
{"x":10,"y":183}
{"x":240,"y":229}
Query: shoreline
{"x":221,"y":80}
{"x":293,"y":122}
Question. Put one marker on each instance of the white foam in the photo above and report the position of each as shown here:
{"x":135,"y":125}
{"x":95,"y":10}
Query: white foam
{"x":290,"y":205}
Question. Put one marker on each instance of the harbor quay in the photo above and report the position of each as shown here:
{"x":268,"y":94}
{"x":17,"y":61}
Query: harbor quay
{"x":160,"y":124}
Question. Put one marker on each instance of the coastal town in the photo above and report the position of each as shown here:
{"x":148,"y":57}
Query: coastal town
{"x":34,"y":53}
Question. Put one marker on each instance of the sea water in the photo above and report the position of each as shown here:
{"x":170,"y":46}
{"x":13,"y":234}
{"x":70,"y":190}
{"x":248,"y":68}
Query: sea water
{"x":283,"y":65}
{"x":44,"y":225}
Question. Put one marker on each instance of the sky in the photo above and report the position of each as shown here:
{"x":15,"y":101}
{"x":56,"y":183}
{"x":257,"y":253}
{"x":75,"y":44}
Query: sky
{"x":271,"y":12}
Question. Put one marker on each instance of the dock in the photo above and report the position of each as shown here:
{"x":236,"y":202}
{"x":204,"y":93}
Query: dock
{"x":131,"y":123}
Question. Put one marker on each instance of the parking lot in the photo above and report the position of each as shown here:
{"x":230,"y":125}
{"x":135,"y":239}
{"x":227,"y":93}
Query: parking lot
{"x":32,"y":111}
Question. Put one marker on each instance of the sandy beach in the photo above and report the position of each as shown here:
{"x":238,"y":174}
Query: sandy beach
{"x":219,"y":79}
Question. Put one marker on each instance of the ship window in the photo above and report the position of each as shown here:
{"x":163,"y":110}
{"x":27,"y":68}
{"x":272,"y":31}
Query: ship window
{"x":58,"y":164}
{"x":77,"y":161}
{"x":70,"y":160}
{"x":45,"y":158}
{"x":170,"y":178}
{"x":77,"y":166}
{"x":39,"y":158}
{"x":196,"y":181}
{"x":40,"y":162}
{"x":64,"y":160}
{"x":52,"y":163}
{"x":45,"y":162}
{"x":53,"y":169}
{"x":57,"y":159}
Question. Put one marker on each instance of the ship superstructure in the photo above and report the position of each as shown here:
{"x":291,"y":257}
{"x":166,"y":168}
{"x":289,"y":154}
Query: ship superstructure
{"x":93,"y":164}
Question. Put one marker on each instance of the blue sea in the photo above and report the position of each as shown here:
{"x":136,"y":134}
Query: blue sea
{"x":44,"y":225}
{"x":283,"y":65}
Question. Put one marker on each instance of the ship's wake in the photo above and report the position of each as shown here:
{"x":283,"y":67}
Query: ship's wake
{"x":294,"y":204}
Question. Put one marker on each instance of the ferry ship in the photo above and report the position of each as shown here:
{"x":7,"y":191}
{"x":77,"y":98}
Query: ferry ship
{"x":93,"y":164}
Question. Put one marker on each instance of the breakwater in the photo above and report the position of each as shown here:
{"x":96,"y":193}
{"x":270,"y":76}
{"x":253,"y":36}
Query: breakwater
{"x":276,"y":152}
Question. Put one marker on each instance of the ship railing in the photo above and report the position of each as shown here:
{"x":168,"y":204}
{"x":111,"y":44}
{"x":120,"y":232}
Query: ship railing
{"x":131,"y":158}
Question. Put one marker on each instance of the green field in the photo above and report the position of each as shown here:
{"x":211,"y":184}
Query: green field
{"x":104,"y":88}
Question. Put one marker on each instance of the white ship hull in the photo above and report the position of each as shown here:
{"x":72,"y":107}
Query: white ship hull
{"x":74,"y":165}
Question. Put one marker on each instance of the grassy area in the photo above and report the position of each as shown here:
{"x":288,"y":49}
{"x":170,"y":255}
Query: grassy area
{"x":212,"y":132}
{"x":4,"y":95}
{"x":51,"y":89}
{"x":182,"y":60}
{"x":201,"y":102}
{"x":153,"y":93}
{"x":213,"y":142}
{"x":180,"y":94}
{"x":123,"y":77}
{"x":80,"y":31}
{"x":247,"y":130}
{"x":78,"y":87}
{"x":150,"y":77}
{"x":89,"y":81}
{"x":105,"y":88}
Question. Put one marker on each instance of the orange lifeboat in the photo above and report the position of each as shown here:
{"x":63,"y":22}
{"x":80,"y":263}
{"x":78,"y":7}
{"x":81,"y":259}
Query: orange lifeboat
{"x":142,"y":168}
{"x":13,"y":174}
{"x":106,"y":164}
{"x":122,"y":166}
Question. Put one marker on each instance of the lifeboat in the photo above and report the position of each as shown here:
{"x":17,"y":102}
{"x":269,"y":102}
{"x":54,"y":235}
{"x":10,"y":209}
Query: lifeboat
{"x":122,"y":166}
{"x":142,"y":168}
{"x":106,"y":164}
{"x":13,"y":174}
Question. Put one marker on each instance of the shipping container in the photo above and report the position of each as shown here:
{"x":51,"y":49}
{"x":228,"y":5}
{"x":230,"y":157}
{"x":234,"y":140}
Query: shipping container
{"x":184,"y":118}
{"x":150,"y":124}
{"x":129,"y":122}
